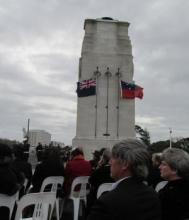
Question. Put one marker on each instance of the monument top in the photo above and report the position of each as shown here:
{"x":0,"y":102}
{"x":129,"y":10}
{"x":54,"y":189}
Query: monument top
{"x":105,"y":19}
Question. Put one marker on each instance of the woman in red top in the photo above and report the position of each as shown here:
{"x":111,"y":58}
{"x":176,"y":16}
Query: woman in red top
{"x":77,"y":166}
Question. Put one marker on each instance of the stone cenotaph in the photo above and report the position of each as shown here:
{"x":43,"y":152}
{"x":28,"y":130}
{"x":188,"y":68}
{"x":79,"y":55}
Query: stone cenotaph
{"x":104,"y":119}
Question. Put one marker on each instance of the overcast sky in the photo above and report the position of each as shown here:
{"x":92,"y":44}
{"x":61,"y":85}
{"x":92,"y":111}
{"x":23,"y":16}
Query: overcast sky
{"x":40,"y":46}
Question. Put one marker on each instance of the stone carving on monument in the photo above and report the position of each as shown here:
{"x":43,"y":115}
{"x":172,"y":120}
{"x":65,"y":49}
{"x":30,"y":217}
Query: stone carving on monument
{"x":106,"y":58}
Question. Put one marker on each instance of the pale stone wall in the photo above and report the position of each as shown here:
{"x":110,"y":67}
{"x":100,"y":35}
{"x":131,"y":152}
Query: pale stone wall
{"x":106,"y":44}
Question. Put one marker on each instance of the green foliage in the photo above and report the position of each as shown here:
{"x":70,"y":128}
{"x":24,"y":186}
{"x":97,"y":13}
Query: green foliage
{"x":183,"y":144}
{"x":10,"y":143}
{"x":144,"y":135}
{"x":159,"y":146}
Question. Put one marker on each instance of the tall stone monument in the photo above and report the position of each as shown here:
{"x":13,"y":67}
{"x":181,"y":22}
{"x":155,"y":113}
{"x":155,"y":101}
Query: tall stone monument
{"x":104,"y":119}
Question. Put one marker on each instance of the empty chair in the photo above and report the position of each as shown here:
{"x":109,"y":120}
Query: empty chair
{"x":160,"y":185}
{"x":44,"y":203}
{"x":9,"y":202}
{"x":54,"y":182}
{"x":104,"y":187}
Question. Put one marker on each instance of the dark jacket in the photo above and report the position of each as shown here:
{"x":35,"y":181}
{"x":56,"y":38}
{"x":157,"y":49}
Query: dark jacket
{"x":175,"y":200}
{"x":9,"y":183}
{"x":45,"y":169}
{"x":130,"y":200}
{"x":23,"y":167}
{"x":154,"y":177}
{"x":99,"y":176}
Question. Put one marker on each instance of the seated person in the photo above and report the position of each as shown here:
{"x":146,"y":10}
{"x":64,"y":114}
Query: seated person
{"x":154,"y":176}
{"x":95,"y":160}
{"x":10,"y":181}
{"x":20,"y":165}
{"x":130,"y":198}
{"x":99,"y":176}
{"x":50,"y":166}
{"x":76,"y":167}
{"x":174,"y":195}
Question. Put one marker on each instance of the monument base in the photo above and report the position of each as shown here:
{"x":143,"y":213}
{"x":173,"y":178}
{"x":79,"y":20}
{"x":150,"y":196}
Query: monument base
{"x":90,"y":145}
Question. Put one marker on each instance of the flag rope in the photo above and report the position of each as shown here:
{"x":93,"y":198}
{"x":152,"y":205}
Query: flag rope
{"x":96,"y":74}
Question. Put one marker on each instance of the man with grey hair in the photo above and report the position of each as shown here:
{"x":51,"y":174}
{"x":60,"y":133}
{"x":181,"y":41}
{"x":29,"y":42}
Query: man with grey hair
{"x":129,"y":198}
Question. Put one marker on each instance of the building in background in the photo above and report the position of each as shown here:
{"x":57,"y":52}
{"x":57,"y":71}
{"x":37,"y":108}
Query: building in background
{"x":57,"y":144}
{"x":39,"y":136}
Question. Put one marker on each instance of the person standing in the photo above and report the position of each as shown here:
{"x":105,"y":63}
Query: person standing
{"x":129,"y":198}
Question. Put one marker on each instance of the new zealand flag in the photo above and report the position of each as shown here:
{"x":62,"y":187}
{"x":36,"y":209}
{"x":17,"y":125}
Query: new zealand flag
{"x":86,"y":88}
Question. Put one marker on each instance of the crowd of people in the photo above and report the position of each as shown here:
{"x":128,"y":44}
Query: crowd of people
{"x":133,"y":172}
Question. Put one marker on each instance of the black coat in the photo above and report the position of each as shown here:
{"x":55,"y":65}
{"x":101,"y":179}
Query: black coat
{"x":23,"y":167}
{"x":46,"y":169}
{"x":9,"y":183}
{"x":99,"y":176}
{"x":175,"y":200}
{"x":130,"y":200}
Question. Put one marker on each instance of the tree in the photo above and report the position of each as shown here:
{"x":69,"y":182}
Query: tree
{"x":183,"y":143}
{"x":143,"y":134}
{"x":8,"y":142}
{"x":159,"y":146}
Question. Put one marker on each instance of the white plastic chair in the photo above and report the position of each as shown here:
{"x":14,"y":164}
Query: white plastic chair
{"x":54,"y":182}
{"x":160,"y":185}
{"x":9,"y":202}
{"x":44,"y":203}
{"x":81,"y":181}
{"x":104,"y":187}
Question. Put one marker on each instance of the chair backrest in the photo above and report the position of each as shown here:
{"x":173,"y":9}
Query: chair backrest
{"x":44,"y":203}
{"x":82,"y":181}
{"x":53,"y":181}
{"x":9,"y":202}
{"x":160,"y":185}
{"x":104,"y":187}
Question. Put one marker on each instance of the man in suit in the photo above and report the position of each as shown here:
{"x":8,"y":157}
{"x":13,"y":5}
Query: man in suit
{"x":129,"y":198}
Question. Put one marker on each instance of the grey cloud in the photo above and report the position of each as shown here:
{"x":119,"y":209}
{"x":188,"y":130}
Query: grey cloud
{"x":49,"y":35}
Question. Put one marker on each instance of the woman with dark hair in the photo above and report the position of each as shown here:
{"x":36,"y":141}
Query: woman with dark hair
{"x":175,"y":195}
{"x":77,"y":166}
{"x":50,"y":166}
{"x":9,"y":180}
{"x":154,"y":176}
{"x":20,"y":165}
{"x":99,"y":176}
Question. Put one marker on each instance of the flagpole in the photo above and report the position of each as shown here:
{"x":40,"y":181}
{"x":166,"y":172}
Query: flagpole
{"x":107,"y":74}
{"x":28,"y":130}
{"x":96,"y":74}
{"x":170,"y":138}
{"x":118,"y":74}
